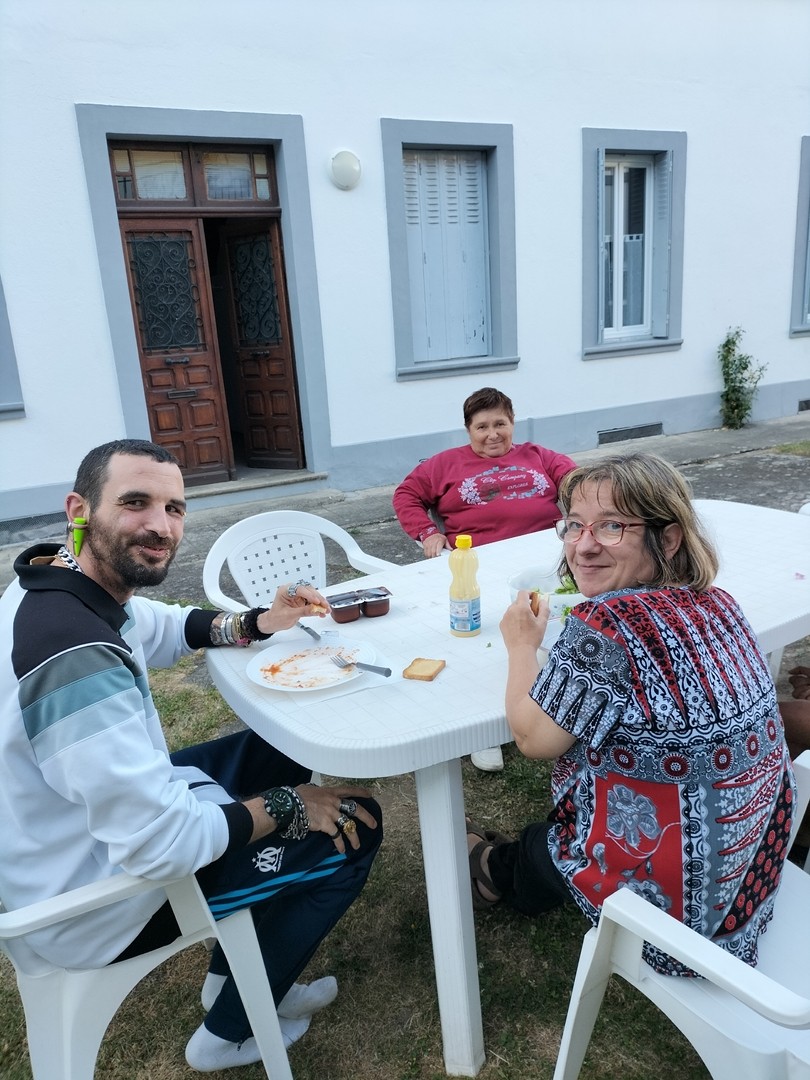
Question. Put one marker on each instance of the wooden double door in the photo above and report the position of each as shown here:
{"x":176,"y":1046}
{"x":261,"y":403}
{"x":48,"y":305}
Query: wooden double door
{"x":210,"y":305}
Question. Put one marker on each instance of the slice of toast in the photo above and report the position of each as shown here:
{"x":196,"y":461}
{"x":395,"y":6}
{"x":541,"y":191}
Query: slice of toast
{"x":423,"y":669}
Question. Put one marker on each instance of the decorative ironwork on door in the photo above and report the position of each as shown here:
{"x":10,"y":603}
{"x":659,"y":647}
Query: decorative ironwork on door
{"x":166,"y":293}
{"x":255,"y":294}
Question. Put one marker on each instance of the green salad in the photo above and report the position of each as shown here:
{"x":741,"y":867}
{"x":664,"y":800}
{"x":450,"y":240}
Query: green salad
{"x":568,"y":586}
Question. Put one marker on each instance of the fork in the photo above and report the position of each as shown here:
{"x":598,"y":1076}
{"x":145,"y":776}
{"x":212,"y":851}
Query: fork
{"x":342,"y":662}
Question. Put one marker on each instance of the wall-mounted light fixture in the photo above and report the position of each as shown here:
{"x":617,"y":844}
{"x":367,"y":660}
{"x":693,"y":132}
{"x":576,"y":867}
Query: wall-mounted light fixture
{"x":344,"y":170}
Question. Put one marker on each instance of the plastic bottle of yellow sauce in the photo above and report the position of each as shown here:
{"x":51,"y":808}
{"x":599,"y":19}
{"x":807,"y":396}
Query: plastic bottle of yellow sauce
{"x":465,"y":596}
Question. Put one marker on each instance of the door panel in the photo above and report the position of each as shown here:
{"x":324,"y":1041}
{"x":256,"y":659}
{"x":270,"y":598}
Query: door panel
{"x":265,"y":371}
{"x":177,"y":342}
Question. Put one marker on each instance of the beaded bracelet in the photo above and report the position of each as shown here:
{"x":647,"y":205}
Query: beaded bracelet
{"x":250,"y":624}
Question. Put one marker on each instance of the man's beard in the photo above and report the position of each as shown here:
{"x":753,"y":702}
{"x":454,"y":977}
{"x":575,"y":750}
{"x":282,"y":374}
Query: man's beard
{"x":112,"y":554}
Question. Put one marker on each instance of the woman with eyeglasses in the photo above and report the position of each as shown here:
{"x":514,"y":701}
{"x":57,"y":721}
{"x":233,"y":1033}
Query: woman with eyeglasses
{"x":672,"y":777}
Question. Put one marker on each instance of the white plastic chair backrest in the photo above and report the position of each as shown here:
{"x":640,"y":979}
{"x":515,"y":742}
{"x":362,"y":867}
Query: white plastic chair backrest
{"x":67,"y":1011}
{"x":805,"y":509}
{"x":801,"y":767}
{"x":265,"y":550}
{"x":730,"y":1017}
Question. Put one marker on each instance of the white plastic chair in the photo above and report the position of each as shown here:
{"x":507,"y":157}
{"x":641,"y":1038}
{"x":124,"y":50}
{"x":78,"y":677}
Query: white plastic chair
{"x":68,"y":1010}
{"x":775,"y":658}
{"x":745,"y":1023}
{"x":267,"y":549}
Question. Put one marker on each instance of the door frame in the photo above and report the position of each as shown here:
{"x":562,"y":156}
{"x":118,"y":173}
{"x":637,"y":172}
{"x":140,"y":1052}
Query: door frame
{"x":97,"y":124}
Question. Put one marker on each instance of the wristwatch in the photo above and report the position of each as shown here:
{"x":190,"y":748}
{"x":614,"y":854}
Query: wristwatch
{"x":280,"y":804}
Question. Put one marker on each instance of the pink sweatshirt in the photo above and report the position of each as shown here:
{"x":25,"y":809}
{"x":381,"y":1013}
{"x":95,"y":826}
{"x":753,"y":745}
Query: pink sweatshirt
{"x":490,"y":498}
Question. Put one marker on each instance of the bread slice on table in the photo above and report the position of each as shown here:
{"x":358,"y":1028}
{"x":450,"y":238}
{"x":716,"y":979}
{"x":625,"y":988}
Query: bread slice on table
{"x":423,"y":669}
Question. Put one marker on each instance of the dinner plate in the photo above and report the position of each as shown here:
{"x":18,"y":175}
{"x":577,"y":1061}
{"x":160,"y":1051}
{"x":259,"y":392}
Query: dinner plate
{"x":294,"y":669}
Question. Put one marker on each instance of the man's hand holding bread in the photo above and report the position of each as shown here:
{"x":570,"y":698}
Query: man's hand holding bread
{"x":288,"y":607}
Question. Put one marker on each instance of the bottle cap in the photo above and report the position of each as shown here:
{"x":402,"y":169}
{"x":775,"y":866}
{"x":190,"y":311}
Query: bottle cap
{"x":463,"y":540}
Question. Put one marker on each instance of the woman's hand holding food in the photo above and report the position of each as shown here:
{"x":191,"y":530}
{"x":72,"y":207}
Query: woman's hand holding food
{"x":524,"y":622}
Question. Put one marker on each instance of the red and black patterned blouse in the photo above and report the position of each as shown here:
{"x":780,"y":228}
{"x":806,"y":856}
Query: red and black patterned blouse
{"x":679,"y":785}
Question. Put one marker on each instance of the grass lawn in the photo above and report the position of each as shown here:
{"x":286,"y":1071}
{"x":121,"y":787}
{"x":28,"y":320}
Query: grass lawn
{"x":385,"y":1024}
{"x":799,"y":449}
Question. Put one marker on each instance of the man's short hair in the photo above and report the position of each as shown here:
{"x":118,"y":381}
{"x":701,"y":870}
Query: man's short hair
{"x":92,"y":472}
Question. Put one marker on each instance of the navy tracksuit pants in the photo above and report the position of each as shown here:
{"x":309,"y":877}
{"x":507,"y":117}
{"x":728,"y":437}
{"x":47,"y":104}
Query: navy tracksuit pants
{"x":297,"y":889}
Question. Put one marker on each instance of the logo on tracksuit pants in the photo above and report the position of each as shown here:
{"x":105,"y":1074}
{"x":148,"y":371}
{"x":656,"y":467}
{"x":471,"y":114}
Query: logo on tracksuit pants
{"x":268,"y":861}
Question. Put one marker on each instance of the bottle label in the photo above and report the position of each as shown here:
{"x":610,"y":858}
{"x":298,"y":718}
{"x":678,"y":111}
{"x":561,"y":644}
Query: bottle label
{"x":465,"y":616}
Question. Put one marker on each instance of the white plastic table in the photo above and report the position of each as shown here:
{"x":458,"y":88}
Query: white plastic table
{"x":765,"y":565}
{"x":388,"y":727}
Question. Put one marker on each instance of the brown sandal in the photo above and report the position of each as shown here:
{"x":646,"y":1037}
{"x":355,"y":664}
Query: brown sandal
{"x":478,"y":874}
{"x":491,"y":835}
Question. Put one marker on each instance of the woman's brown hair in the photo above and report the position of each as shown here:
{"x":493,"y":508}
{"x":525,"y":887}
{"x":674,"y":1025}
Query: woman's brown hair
{"x":485,"y":399}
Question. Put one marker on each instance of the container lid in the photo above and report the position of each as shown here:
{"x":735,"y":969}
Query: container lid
{"x":463,"y":540}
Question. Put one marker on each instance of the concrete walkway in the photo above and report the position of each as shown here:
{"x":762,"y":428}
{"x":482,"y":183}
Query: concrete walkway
{"x":720,"y":464}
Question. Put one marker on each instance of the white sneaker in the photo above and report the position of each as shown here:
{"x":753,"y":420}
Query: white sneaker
{"x":301,"y":999}
{"x":206,"y":1052}
{"x":488,"y":760}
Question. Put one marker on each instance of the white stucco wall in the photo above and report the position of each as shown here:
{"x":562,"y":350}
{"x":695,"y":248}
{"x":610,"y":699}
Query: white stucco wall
{"x":733,"y":75}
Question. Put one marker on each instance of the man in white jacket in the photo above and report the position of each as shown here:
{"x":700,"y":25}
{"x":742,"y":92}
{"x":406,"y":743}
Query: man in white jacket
{"x":88,"y":787}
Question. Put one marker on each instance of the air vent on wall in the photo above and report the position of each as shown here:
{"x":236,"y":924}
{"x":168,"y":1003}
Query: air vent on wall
{"x":642,"y":431}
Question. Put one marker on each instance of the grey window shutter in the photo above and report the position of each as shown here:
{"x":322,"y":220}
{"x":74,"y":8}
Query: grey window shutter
{"x":662,"y":240}
{"x":474,"y":266}
{"x":601,"y":261}
{"x":448,"y":263}
{"x":416,"y":256}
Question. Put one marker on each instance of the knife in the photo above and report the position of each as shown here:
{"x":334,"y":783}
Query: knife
{"x":308,"y":630}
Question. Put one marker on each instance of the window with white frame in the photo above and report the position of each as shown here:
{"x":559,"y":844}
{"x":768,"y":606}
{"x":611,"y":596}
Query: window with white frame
{"x":450,"y":195}
{"x":800,"y":305}
{"x":626,"y":247}
{"x":633,"y":219}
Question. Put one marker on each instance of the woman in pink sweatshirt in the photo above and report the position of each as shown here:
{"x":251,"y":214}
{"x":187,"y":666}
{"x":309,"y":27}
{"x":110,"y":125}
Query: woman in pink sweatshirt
{"x":492,"y":488}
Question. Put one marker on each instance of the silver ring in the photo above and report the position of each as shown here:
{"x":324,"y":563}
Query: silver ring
{"x":342,"y":822}
{"x":293,"y":586}
{"x":349,"y":806}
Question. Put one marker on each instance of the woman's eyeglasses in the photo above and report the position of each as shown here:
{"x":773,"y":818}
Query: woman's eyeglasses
{"x":606,"y":533}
